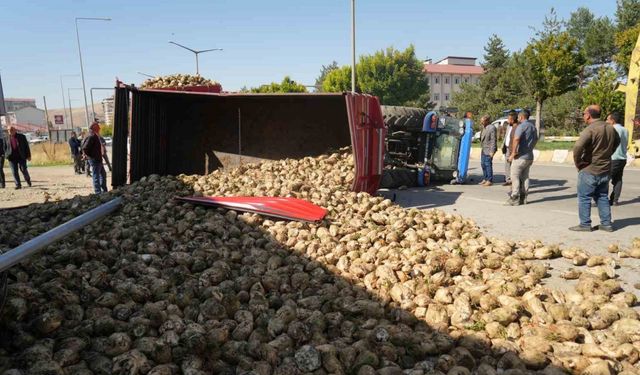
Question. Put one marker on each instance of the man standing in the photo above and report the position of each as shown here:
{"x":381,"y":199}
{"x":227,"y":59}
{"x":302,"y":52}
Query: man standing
{"x":525,"y":138}
{"x":76,"y":154}
{"x":592,"y":156}
{"x":3,"y":147}
{"x":512,"y":120}
{"x":92,"y":148}
{"x":18,"y":153}
{"x":618,"y":159}
{"x":488,"y":140}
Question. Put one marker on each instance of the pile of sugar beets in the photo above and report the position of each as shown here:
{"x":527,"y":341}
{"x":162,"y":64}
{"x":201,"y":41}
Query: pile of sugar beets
{"x":162,"y":288}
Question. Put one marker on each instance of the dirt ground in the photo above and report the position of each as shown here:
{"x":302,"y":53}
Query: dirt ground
{"x":49,"y":183}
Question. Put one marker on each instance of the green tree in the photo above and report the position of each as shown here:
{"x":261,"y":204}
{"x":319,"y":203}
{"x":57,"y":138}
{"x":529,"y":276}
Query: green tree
{"x":602,"y":90}
{"x":627,"y":14}
{"x":549,"y":67}
{"x":595,"y":36}
{"x":495,"y":53}
{"x":563,"y":114}
{"x":326,"y":69}
{"x":338,"y":80}
{"x":287,"y":85}
{"x":396,"y":77}
{"x":625,"y":42}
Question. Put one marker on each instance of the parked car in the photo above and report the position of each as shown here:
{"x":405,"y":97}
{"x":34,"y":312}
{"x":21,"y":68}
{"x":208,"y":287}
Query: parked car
{"x":108,"y":140}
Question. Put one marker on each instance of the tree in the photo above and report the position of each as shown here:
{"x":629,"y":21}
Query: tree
{"x":550,"y":26}
{"x":326,"y":69}
{"x":549,"y":67}
{"x":625,"y":42}
{"x":396,"y":77}
{"x":627,"y":14}
{"x":338,"y":80}
{"x":595,"y":36}
{"x":602,"y":90}
{"x":496,"y":55}
{"x":287,"y":85}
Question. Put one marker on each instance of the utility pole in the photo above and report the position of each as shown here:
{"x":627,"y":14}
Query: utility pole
{"x":196,"y":53}
{"x":353,"y":45}
{"x":46,"y":116}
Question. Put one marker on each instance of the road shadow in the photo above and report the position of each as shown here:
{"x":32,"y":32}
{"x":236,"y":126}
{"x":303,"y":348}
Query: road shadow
{"x":555,"y":198}
{"x":544,"y":183}
{"x":630,"y":201}
{"x":626,"y":222}
{"x":421,"y":198}
{"x":549,"y":190}
{"x":196,"y":290}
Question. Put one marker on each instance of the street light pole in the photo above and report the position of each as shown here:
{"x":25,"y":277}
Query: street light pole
{"x":146,"y":75}
{"x":196,"y":53}
{"x":69,"y":96}
{"x":353,"y":45}
{"x":64,"y":106}
{"x":84,"y":89}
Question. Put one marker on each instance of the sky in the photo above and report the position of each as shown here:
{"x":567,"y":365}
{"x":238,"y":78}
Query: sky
{"x":262,"y":41}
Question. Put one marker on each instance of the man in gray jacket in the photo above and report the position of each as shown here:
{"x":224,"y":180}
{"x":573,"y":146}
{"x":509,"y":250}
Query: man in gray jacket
{"x":489,"y":142}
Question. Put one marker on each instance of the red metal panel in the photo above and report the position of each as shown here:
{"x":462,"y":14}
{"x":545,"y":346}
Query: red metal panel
{"x":285,"y":208}
{"x":367,"y":138}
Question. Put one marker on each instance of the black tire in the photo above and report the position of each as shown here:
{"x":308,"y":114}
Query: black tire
{"x":403,"y":118}
{"x":395,"y":178}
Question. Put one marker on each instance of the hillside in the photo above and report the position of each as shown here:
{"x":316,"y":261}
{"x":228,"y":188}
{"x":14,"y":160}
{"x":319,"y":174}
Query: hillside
{"x":78,"y":114}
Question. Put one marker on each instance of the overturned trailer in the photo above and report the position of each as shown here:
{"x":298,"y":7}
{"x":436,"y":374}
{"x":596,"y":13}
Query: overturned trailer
{"x":170,"y":132}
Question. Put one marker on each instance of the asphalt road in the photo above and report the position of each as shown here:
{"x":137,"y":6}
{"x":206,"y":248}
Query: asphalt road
{"x":552,"y":209}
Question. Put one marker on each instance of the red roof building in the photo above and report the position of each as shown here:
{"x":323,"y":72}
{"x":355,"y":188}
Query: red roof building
{"x":446,"y":76}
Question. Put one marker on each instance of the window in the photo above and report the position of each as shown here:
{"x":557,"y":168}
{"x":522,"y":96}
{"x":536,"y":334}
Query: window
{"x":446,"y":81}
{"x":457,"y":81}
{"x":446,"y":96}
{"x":428,"y":81}
{"x":436,"y":96}
{"x":437,"y":80}
{"x":466,"y":80}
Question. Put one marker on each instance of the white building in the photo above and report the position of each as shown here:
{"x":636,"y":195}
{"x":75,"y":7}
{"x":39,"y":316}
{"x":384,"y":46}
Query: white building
{"x":107,"y":106}
{"x":446,"y":76}
{"x":27,"y":116}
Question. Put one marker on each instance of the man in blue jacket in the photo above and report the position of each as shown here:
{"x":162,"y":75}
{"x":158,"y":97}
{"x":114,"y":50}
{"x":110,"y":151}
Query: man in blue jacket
{"x":76,"y":153}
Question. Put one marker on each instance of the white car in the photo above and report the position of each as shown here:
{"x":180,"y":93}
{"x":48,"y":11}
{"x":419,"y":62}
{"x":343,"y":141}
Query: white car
{"x":108,"y":140}
{"x":35,"y":140}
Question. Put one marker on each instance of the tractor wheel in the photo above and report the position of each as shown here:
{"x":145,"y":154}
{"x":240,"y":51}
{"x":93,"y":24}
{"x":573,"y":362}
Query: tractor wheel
{"x":403,"y":118}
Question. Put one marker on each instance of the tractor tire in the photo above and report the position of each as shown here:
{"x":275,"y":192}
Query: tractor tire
{"x":403,"y":118}
{"x":399,"y":177}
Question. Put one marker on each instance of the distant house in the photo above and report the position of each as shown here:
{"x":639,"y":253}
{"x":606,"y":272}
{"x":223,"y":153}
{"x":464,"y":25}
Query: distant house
{"x":446,"y":76}
{"x":14,"y":104}
{"x":30,"y":116}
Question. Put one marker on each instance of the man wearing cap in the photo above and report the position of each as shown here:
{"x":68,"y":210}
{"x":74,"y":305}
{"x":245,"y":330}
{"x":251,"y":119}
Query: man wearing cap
{"x":18,"y":153}
{"x":92,"y":148}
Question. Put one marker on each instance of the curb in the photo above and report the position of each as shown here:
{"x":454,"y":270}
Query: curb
{"x":547,"y":156}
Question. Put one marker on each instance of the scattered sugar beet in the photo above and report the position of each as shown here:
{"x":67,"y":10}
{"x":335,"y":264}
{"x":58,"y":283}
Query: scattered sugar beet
{"x":162,"y":288}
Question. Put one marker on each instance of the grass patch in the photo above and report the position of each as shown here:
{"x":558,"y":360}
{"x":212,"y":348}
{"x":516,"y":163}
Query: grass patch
{"x":48,"y":154}
{"x":558,"y":145}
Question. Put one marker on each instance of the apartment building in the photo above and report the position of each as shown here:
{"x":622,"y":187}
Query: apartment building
{"x":446,"y":76}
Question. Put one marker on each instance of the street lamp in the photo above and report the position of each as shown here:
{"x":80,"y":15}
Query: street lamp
{"x":196,"y":53}
{"x":146,"y":75}
{"x":69,"y":97}
{"x":64,"y":106}
{"x":84,"y":90}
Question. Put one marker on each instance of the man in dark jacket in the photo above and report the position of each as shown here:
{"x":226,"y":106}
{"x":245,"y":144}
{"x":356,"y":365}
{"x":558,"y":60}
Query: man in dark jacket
{"x":18,"y":153}
{"x":592,"y":156}
{"x":92,"y":148}
{"x":3,"y":147}
{"x":76,"y":154}
{"x":488,"y":140}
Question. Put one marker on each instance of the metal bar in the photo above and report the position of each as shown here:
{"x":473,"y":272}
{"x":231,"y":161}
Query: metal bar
{"x":40,"y":242}
{"x":353,"y":45}
{"x":120,"y":137}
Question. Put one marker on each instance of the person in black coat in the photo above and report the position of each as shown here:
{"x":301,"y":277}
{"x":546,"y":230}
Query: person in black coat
{"x":76,"y":153}
{"x":18,"y":153}
{"x":3,"y":147}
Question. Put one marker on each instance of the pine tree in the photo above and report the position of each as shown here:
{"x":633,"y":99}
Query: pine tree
{"x":496,"y":55}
